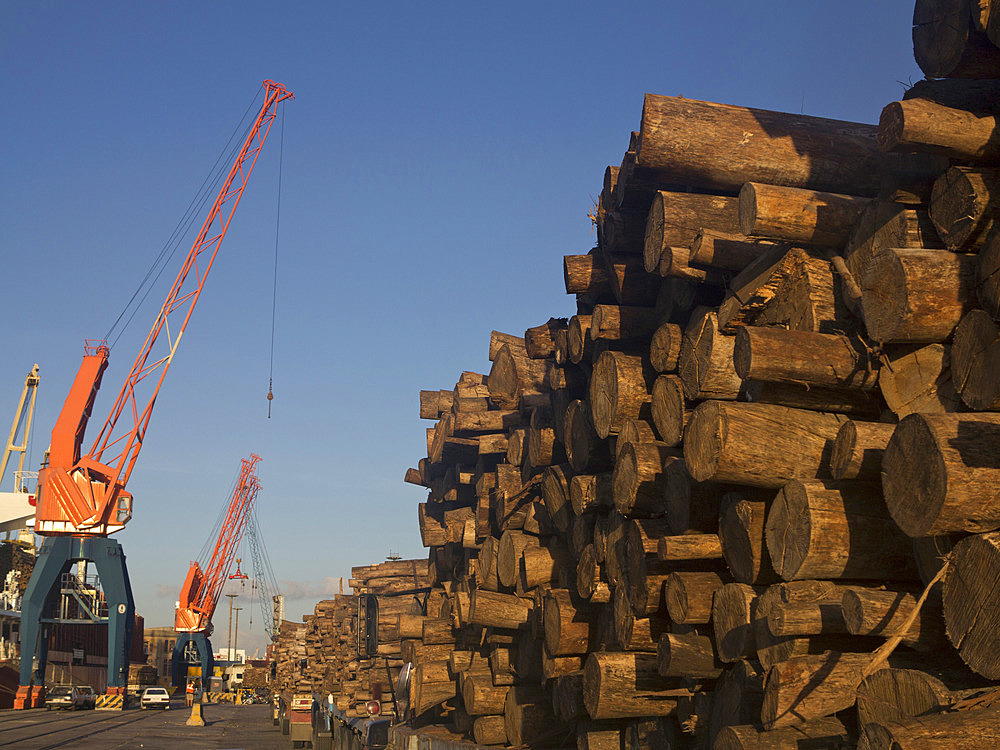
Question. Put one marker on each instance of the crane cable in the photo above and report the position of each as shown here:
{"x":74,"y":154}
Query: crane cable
{"x":274,"y":290}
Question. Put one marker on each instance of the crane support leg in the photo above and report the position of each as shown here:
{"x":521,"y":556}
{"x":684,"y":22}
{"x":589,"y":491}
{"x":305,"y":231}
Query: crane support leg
{"x":179,"y":663}
{"x":55,"y":557}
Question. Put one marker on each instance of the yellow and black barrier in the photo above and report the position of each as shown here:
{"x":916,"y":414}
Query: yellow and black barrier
{"x":110,"y":703}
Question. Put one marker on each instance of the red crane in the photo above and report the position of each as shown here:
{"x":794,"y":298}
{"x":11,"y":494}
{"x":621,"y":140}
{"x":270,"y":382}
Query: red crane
{"x":205,"y":579}
{"x":82,"y":496}
{"x":203,"y":584}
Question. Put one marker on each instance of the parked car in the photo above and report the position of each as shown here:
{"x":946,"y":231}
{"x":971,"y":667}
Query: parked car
{"x":155,"y":697}
{"x":71,"y":697}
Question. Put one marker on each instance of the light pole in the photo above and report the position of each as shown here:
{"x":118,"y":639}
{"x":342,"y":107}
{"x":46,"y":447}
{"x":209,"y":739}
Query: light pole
{"x":236,"y":638}
{"x":229,"y":638}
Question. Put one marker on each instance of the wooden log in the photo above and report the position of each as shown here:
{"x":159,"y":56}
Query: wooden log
{"x":585,"y":274}
{"x":690,"y":506}
{"x":529,"y":720}
{"x":916,"y":378}
{"x":989,"y":274}
{"x":971,"y":358}
{"x":705,"y":363}
{"x":887,"y":224}
{"x":581,"y":533}
{"x":723,"y":443}
{"x":619,"y":391}
{"x":590,"y":584}
{"x":885,"y":612}
{"x":434,"y":403}
{"x":636,"y":432}
{"x":689,"y":547}
{"x":938,"y":474}
{"x":946,"y":43}
{"x":570,"y":625}
{"x":945,"y":731}
{"x":726,"y":251}
{"x":596,"y":735}
{"x":437,"y":631}
{"x":497,"y":610}
{"x":826,"y":732}
{"x":797,"y":215}
{"x":963,"y":203}
{"x":857,"y":450}
{"x":618,"y":685}
{"x":638,"y":479}
{"x":588,"y":492}
{"x":753,"y":287}
{"x":922,"y":125}
{"x":556,"y":493}
{"x":540,"y":566}
{"x":539,"y":342}
{"x":899,"y":694}
{"x":667,"y":405}
{"x":586,"y":452}
{"x":822,"y":359}
{"x":480,"y":696}
{"x":971,"y":602}
{"x":736,"y":700}
{"x":742,"y":518}
{"x":722,"y":146}
{"x":665,"y":347}
{"x":623,"y":323}
{"x":688,"y":595}
{"x":836,"y":530}
{"x":632,"y":633}
{"x":811,"y":687}
{"x":731,"y":621}
{"x":578,"y":340}
{"x":807,"y":295}
{"x":675,"y":262}
{"x":489,"y":730}
{"x":675,"y":219}
{"x":514,"y":374}
{"x":969,"y":94}
{"x":687,"y":655}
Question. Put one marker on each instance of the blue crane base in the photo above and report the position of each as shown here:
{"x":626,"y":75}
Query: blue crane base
{"x":178,"y":664}
{"x":55,"y":557}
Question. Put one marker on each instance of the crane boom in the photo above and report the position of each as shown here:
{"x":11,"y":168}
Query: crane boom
{"x":203,"y":585}
{"x":85,"y":494}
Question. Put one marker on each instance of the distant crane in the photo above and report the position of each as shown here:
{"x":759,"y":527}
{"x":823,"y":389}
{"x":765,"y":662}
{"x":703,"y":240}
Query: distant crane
{"x":17,"y":507}
{"x":82,"y":496}
{"x":205,"y":578}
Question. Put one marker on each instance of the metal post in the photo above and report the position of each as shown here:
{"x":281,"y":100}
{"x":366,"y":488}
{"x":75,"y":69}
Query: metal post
{"x":236,"y":638}
{"x":229,"y":637}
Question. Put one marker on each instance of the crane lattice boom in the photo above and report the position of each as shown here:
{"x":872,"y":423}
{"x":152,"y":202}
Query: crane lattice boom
{"x":203,"y":584}
{"x":85,"y":494}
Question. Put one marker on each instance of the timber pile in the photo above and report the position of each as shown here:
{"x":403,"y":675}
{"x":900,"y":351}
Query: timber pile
{"x":327,"y":653}
{"x":761,"y":456}
{"x":15,"y":559}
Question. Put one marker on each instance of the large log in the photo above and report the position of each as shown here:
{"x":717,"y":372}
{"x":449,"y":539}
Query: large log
{"x":618,"y":685}
{"x":722,"y":146}
{"x":705,"y":363}
{"x":940,"y":473}
{"x":819,"y":733}
{"x":665,"y":347}
{"x":578,"y":341}
{"x":539,"y":341}
{"x":887,"y":612}
{"x":972,"y":604}
{"x":689,"y":595}
{"x":687,"y":655}
{"x":742,"y":516}
{"x":946,"y":43}
{"x":915,"y":378}
{"x":731,"y":606}
{"x":590,"y":584}
{"x":922,"y":125}
{"x":585,"y":450}
{"x":623,"y":323}
{"x":684,"y":547}
{"x":668,"y":408}
{"x":480,"y":696}
{"x":885,"y":224}
{"x":496,"y":610}
{"x":963,"y":203}
{"x":784,"y":356}
{"x":619,"y":390}
{"x":945,"y":731}
{"x":989,"y":274}
{"x":638,"y":479}
{"x":914,"y":295}
{"x":725,"y":251}
{"x":675,"y":219}
{"x":514,"y":374}
{"x":489,"y":730}
{"x":434,"y":403}
{"x":796,"y":215}
{"x":836,"y":530}
{"x":857,"y":450}
{"x":570,"y":625}
{"x":529,"y":720}
{"x":811,"y":687}
{"x":723,"y":442}
{"x":736,"y":700}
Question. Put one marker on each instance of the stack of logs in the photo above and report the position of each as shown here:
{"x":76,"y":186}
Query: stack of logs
{"x":746,"y":496}
{"x":328,"y":652}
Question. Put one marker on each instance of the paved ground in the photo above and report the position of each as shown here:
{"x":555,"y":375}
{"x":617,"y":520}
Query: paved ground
{"x":226,"y":727}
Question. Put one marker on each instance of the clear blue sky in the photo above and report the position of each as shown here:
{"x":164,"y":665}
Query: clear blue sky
{"x":439,"y":160}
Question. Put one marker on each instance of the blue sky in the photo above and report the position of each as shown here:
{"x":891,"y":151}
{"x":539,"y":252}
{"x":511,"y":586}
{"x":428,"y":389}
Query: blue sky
{"x":439,"y":160}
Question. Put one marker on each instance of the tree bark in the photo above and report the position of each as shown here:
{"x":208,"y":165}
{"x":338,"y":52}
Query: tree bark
{"x":826,"y":732}
{"x":498,"y":610}
{"x":726,"y":251}
{"x":675,"y":219}
{"x":689,"y":547}
{"x":922,"y":125}
{"x":489,"y":730}
{"x":885,"y":224}
{"x":836,"y":530}
{"x":721,"y":146}
{"x":793,"y":214}
{"x":619,"y":390}
{"x":963,"y":203}
{"x":811,"y":687}
{"x":939,"y":473}
{"x":884,"y":612}
{"x":586,"y":452}
{"x":618,"y":685}
{"x":689,"y":595}
{"x":731,"y":621}
{"x":689,"y":655}
{"x":638,"y":479}
{"x":972,"y":604}
{"x":857,"y":450}
{"x":742,"y":516}
{"x":946,"y":731}
{"x":705,"y":363}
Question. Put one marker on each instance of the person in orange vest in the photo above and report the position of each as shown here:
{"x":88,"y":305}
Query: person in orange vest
{"x":189,"y":695}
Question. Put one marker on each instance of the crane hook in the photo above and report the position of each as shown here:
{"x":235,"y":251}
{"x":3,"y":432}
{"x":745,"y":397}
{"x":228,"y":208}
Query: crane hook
{"x":270,"y":397}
